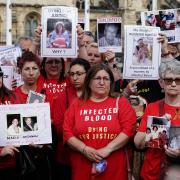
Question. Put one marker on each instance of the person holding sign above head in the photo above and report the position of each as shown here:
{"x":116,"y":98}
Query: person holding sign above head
{"x":97,"y":127}
{"x":155,"y":159}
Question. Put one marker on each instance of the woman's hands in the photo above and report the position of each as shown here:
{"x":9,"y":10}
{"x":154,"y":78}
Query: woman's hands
{"x":8,"y":150}
{"x":92,"y":154}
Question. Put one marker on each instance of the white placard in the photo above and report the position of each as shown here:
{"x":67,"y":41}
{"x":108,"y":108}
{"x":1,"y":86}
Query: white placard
{"x":142,"y":52}
{"x":8,"y":57}
{"x":7,"y":76}
{"x":168,"y":21}
{"x":109,"y":34}
{"x":59,"y":37}
{"x":38,"y":115}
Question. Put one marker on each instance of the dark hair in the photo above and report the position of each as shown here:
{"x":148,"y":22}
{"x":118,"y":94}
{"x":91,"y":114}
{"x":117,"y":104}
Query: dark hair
{"x":5,"y":93}
{"x":90,"y":75}
{"x":155,"y":127}
{"x":148,"y":129}
{"x":81,"y":62}
{"x":43,"y":72}
{"x":28,"y":56}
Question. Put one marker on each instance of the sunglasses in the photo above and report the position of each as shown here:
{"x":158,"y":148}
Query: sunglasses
{"x":169,"y":81}
{"x":57,"y":62}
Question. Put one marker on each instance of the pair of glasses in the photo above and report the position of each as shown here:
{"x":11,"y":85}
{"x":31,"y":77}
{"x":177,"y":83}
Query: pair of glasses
{"x":77,"y":73}
{"x":57,"y":62}
{"x":169,"y":81}
{"x":99,"y":79}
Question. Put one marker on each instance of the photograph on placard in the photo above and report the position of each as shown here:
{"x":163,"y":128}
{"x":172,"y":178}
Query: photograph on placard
{"x":30,"y":123}
{"x":34,"y":97}
{"x":13,"y":124}
{"x":59,"y":36}
{"x":142,"y":54}
{"x":109,"y":34}
{"x":59,"y":33}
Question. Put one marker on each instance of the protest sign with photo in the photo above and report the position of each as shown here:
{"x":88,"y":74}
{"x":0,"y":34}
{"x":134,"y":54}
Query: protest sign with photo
{"x":7,"y":76}
{"x":157,"y":132}
{"x":109,"y":34}
{"x":59,"y":31}
{"x":34,"y":97}
{"x":168,"y":20}
{"x":23,"y":124}
{"x":142,"y":52}
{"x":8,"y":57}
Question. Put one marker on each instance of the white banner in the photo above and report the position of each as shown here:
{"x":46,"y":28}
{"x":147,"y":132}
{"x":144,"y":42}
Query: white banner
{"x":24,"y":124}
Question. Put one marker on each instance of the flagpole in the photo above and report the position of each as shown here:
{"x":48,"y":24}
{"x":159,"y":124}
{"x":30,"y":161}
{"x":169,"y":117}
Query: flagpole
{"x":87,"y":15}
{"x":154,"y":5}
{"x":8,"y":23}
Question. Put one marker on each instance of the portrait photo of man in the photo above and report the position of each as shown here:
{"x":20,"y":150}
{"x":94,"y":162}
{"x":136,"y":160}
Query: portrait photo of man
{"x":109,"y":34}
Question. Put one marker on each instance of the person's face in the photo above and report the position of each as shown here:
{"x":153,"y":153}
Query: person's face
{"x":168,"y":24}
{"x":28,"y":121}
{"x":155,"y":129}
{"x":87,"y":39}
{"x":60,"y":28}
{"x":77,"y":74}
{"x":94,"y":57}
{"x":25,"y":44}
{"x":110,"y":33}
{"x":15,"y":122}
{"x":171,"y":88}
{"x":100,"y":84}
{"x":30,"y":73}
{"x":53,"y":68}
{"x":140,"y":43}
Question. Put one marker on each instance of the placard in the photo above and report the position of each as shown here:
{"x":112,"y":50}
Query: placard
{"x":109,"y":34}
{"x":59,"y":31}
{"x":168,"y":20}
{"x":24,"y":124}
{"x":142,"y":54}
{"x":7,"y":76}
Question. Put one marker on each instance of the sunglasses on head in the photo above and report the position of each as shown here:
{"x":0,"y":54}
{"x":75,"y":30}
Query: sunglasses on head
{"x":169,"y":81}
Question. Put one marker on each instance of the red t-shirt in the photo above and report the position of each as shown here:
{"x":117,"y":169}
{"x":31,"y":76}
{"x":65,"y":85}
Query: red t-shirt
{"x":7,"y":161}
{"x":153,"y":157}
{"x":60,"y":105}
{"x":52,"y":86}
{"x":97,"y":124}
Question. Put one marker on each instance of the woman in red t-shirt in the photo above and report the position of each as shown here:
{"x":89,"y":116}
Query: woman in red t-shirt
{"x":169,"y":72}
{"x":7,"y":153}
{"x":77,"y":73}
{"x":97,"y":127}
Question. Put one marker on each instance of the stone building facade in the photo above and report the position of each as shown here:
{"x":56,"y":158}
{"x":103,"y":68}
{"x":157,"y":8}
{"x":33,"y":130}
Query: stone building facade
{"x":26,"y":15}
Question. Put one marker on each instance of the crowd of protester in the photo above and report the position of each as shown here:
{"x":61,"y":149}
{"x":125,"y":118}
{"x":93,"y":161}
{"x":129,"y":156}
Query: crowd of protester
{"x":97,"y":131}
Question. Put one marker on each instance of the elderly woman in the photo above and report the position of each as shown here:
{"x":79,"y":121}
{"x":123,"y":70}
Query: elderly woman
{"x":169,"y":72}
{"x":97,"y":127}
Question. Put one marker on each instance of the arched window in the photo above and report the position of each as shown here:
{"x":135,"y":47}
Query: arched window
{"x":31,"y":23}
